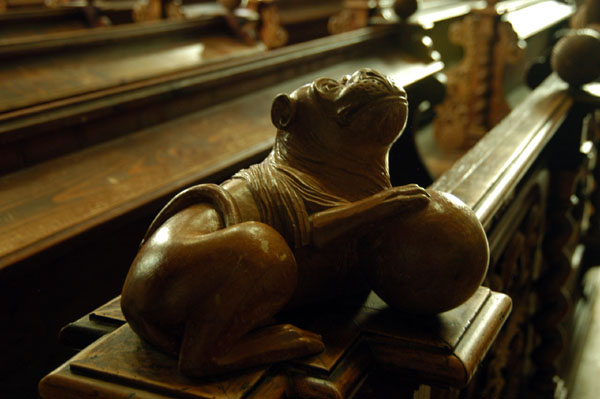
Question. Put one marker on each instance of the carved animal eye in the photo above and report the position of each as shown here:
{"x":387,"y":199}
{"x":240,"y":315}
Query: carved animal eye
{"x":327,"y":84}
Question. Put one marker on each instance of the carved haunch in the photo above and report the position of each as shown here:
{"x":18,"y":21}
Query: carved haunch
{"x":303,"y":226}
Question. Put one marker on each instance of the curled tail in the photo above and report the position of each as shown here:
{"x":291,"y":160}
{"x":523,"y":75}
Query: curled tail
{"x":210,"y":193}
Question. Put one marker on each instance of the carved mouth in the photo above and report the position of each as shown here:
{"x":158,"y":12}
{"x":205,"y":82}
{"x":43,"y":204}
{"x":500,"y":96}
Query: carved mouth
{"x":400,"y":96}
{"x":387,"y":82}
{"x":347,"y":113}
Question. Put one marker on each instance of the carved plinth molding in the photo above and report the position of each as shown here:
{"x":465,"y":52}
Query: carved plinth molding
{"x":475,"y":100}
{"x":372,"y":352}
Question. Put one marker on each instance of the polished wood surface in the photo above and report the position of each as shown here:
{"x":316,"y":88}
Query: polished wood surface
{"x":15,"y":23}
{"x":158,"y":161}
{"x":48,"y":78}
{"x":293,"y":21}
{"x":120,"y":364}
{"x":64,"y":287}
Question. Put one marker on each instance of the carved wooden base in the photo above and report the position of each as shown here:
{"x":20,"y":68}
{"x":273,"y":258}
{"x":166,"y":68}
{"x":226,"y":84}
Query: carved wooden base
{"x":370,"y":348}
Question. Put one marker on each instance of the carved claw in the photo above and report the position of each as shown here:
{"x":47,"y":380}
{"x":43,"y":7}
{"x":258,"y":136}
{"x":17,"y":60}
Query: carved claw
{"x":409,"y":190}
{"x":262,"y":346}
{"x":404,"y":198}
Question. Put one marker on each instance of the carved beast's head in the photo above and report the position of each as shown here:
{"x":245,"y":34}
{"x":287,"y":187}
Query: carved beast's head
{"x":360,"y":112}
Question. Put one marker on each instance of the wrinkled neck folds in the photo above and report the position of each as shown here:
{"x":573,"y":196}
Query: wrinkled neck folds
{"x":343,"y":173}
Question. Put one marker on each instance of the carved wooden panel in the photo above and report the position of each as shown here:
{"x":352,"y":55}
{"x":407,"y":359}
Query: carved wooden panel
{"x":516,"y":260}
{"x":534,"y":247}
{"x":567,"y":219}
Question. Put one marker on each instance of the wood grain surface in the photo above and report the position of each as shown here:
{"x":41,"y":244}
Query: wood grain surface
{"x":50,"y":202}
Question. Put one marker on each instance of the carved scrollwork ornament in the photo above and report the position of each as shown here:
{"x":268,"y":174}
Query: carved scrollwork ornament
{"x":475,"y":100}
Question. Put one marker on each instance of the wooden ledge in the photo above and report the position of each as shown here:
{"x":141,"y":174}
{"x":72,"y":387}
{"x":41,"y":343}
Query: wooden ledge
{"x":61,"y":41}
{"x":103,"y":101}
{"x":55,"y":201}
{"x":17,"y":15}
{"x":359,"y":335}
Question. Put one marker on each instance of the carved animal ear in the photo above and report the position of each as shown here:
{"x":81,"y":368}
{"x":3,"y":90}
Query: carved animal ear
{"x":283,"y":111}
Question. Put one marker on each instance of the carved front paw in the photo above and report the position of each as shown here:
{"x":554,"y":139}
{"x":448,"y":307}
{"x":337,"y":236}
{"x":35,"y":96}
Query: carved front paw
{"x":273,"y":344}
{"x":401,"y":199}
{"x":262,"y":346}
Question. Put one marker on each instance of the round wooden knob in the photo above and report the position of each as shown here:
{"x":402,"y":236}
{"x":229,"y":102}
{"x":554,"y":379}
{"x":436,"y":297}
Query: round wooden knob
{"x":428,"y":261}
{"x":405,"y":8}
{"x":576,"y":57}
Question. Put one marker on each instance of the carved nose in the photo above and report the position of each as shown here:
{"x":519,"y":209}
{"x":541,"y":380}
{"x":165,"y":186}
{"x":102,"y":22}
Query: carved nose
{"x":369,"y":73}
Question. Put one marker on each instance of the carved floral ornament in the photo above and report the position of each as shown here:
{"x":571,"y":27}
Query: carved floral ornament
{"x":310,"y":222}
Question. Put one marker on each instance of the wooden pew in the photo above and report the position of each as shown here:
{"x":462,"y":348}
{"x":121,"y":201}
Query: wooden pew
{"x":88,"y":170}
{"x":65,"y":77}
{"x":291,"y":21}
{"x":543,"y":243}
{"x":114,"y":12}
{"x":499,"y":44}
{"x":517,"y":187}
{"x":21,"y":4}
{"x":16,"y":23}
{"x":74,"y":221}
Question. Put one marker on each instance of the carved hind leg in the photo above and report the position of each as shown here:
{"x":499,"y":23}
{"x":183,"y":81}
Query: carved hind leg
{"x":257,"y":276}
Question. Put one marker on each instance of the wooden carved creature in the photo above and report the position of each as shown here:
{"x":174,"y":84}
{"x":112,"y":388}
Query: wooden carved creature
{"x":219,"y":261}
